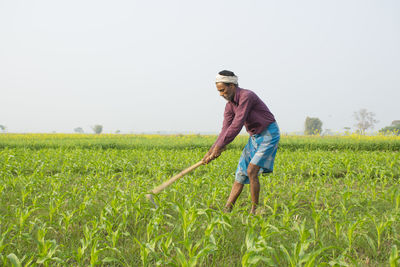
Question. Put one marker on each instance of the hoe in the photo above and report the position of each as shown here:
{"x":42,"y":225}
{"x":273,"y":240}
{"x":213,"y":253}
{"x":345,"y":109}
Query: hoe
{"x":164,"y":185}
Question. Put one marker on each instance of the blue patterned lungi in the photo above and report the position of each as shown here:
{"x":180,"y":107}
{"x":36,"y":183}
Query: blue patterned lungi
{"x":260,"y":150}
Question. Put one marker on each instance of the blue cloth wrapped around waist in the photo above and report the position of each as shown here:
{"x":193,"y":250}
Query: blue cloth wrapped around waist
{"x":260,"y":150}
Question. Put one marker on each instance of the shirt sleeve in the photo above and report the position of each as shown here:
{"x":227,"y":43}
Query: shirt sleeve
{"x":228,"y":118}
{"x":240,"y":117}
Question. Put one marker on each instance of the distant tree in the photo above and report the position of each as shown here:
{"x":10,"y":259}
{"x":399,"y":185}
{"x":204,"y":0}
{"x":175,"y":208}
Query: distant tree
{"x":396,"y":122}
{"x":97,"y":129}
{"x":394,"y":128}
{"x":78,"y":130}
{"x":312,"y":126}
{"x":117,"y":131}
{"x":365,"y":120}
{"x":3,"y":128}
{"x":328,"y":132}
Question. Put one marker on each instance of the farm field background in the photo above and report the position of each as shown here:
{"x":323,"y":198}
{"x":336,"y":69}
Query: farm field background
{"x":71,"y":199}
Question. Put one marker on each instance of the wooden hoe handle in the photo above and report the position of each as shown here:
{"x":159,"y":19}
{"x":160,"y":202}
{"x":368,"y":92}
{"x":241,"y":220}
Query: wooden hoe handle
{"x":161,"y":187}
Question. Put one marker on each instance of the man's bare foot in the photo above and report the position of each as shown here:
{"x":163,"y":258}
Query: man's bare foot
{"x":227,"y":209}
{"x":253,"y":209}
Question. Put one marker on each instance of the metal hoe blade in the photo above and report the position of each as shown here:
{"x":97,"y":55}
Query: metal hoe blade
{"x":150,"y":197}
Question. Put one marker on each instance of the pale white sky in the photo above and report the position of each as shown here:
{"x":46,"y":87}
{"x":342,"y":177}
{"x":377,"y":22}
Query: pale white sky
{"x":150,"y":65}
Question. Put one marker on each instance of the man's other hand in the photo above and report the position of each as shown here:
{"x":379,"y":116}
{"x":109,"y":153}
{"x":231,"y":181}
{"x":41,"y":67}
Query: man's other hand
{"x":216,"y":152}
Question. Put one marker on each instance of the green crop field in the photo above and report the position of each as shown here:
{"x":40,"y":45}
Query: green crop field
{"x":79,"y":200}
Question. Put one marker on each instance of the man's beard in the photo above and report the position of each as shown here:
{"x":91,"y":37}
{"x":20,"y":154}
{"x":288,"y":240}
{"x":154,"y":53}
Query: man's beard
{"x":228,"y":98}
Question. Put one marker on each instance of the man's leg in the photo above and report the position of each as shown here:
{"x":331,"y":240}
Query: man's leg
{"x":235,"y":192}
{"x":252,"y":172}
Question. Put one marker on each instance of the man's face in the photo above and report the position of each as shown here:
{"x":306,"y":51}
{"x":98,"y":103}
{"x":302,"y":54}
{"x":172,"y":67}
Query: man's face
{"x":227,"y":92}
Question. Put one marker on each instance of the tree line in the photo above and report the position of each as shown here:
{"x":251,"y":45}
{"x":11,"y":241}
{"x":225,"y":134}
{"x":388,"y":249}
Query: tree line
{"x":312,"y":126}
{"x":364,"y":118}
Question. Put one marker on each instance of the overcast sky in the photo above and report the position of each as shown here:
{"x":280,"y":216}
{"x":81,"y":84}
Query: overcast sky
{"x":141,"y":66}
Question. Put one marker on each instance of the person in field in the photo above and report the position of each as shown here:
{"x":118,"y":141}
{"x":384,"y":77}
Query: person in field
{"x":244,"y":107}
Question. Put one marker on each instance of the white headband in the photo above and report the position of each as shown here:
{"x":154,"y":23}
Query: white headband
{"x":226,"y":79}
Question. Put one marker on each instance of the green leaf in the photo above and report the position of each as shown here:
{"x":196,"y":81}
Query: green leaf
{"x":181,"y":257}
{"x":14,"y":260}
{"x":258,"y":258}
{"x":371,"y":244}
{"x":394,"y":257}
{"x":109,"y":260}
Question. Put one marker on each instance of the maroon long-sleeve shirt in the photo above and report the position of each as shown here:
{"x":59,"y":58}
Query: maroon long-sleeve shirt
{"x":246,"y":109}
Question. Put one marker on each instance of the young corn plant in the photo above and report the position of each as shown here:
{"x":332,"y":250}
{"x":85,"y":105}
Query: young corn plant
{"x":22,"y":216}
{"x":195,"y":253}
{"x":147,"y":248}
{"x":46,"y":249}
{"x":316,"y":215}
{"x":66,"y":219}
{"x":351,"y":233}
{"x":394,"y":259}
{"x":167,"y":249}
{"x":257,"y":249}
{"x":88,"y":242}
{"x":95,"y":253}
{"x":16,"y":262}
{"x":300,"y":256}
{"x":380,"y":227}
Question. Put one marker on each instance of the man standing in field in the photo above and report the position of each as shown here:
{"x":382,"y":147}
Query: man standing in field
{"x":244,"y":107}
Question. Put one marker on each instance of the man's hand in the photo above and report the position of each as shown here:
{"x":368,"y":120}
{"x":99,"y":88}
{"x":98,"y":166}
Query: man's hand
{"x":206,"y":157}
{"x":211,"y":155}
